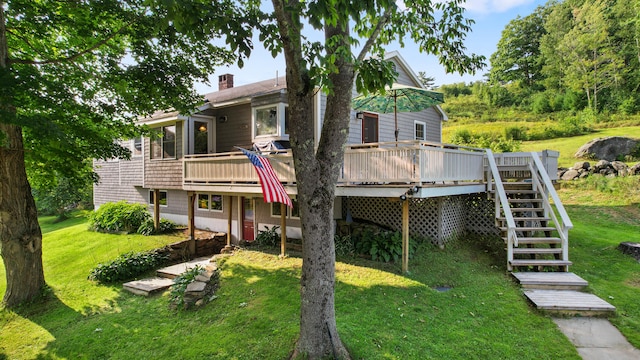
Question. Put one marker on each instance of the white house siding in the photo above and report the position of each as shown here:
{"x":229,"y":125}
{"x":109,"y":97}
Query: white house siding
{"x":264,"y":218}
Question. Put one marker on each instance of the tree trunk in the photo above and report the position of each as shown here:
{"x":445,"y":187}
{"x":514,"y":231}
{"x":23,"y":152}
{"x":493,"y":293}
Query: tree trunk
{"x":19,"y":229}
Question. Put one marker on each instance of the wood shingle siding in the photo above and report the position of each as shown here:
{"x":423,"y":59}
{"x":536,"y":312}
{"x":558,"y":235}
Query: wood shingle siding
{"x":236,"y":131}
{"x":164,"y":173}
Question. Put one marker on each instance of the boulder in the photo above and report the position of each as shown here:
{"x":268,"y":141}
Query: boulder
{"x":608,"y":148}
{"x":581,"y":165}
{"x":601,"y":165}
{"x":635,"y":169}
{"x":570,"y":174}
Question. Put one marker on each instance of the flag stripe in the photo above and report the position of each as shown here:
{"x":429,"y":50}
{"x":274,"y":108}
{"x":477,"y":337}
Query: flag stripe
{"x":272,"y":189}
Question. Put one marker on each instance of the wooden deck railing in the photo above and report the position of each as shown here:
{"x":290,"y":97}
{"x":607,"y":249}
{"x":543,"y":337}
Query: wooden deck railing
{"x":378,"y":163}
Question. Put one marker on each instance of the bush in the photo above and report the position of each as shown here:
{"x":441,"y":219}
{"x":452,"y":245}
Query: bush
{"x":515,"y":133}
{"x":180,"y":283}
{"x":383,"y":246}
{"x":118,"y":217}
{"x":128,"y":266}
{"x":147,"y":227}
{"x":268,"y":237}
{"x":344,"y":245}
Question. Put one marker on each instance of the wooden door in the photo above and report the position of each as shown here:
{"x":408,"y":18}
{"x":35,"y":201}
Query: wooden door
{"x":248,"y":219}
{"x":369,"y":128}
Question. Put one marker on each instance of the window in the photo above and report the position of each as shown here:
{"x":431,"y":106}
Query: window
{"x":162,"y":195}
{"x":420,"y":130}
{"x":136,"y":149}
{"x":292,"y":213}
{"x":211,"y":202}
{"x":266,"y":121}
{"x":165,"y":147}
{"x":200,"y":137}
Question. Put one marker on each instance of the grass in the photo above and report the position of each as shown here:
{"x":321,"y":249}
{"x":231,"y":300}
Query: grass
{"x":380,"y":314}
{"x":568,"y":146}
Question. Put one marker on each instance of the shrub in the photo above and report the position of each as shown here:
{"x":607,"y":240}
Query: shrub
{"x":384,"y":246}
{"x":180,"y":283}
{"x":515,"y":133}
{"x":540,"y":104}
{"x":120,"y":216}
{"x":268,"y":237}
{"x":147,"y":227}
{"x":128,"y":266}
{"x":344,"y":245}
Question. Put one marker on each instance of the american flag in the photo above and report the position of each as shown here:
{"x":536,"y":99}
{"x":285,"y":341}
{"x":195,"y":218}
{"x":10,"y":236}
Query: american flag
{"x":272,"y":189}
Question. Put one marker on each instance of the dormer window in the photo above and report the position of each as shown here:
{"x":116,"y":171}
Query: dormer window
{"x":270,"y":122}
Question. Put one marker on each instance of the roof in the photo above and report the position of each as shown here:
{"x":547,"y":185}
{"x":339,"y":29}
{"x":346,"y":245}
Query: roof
{"x":244,"y":92}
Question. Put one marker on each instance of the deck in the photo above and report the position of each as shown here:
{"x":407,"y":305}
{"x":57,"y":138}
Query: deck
{"x":370,"y":170}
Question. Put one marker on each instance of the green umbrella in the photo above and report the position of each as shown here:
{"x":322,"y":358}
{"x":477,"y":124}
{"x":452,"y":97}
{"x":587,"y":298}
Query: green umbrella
{"x":398,"y":98}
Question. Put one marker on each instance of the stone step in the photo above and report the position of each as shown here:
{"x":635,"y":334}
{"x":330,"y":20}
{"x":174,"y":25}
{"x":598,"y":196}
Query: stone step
{"x":569,"y":302}
{"x":146,"y":287}
{"x":173,"y":271}
{"x":550,"y":280}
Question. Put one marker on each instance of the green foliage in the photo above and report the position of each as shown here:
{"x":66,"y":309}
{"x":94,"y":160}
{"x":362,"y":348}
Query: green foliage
{"x":180,"y":283}
{"x":344,"y":245}
{"x":120,"y":216}
{"x":495,"y":142}
{"x":147,"y":227}
{"x":268,"y":237}
{"x":128,"y":266}
{"x":62,"y":196}
{"x":514,"y":132}
{"x":384,"y":246}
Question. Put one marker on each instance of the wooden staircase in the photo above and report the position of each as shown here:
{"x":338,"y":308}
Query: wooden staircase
{"x":536,"y":233}
{"x":534,"y":229}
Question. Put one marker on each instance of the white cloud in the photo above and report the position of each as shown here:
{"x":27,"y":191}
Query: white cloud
{"x":493,"y":6}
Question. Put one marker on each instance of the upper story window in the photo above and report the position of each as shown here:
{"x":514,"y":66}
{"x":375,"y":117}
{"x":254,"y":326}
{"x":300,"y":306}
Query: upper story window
{"x":165,"y":147}
{"x":271,"y":121}
{"x":420,"y":128}
{"x":136,"y":146}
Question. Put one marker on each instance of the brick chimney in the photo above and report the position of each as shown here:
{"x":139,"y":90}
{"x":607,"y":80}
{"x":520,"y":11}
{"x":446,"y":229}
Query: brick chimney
{"x":225,"y":81}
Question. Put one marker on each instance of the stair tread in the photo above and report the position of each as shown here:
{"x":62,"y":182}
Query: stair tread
{"x":539,"y":240}
{"x":537,"y":250}
{"x":549,"y":278}
{"x":567,"y":300}
{"x":526,"y":218}
{"x":519,"y":209}
{"x":520,"y":200}
{"x":531,"y":228}
{"x":538,"y":262}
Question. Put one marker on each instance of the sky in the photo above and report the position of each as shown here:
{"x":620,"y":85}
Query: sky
{"x":491,"y":17}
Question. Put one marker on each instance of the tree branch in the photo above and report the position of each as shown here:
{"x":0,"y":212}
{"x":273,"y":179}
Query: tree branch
{"x":71,"y":58}
{"x":384,"y":19}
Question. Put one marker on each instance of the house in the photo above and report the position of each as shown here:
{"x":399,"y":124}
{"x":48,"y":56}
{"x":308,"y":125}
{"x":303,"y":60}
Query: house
{"x":194,"y":174}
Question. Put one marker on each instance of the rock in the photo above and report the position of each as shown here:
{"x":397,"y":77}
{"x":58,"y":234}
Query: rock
{"x":630,"y":248}
{"x":601,"y":165}
{"x":635,"y":169}
{"x":196,"y":287}
{"x":581,"y":165}
{"x":570,"y":175}
{"x":608,"y":148}
{"x":619,"y":165}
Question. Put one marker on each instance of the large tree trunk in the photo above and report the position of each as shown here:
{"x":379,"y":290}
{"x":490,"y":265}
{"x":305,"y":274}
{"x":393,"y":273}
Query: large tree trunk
{"x":19,"y":229}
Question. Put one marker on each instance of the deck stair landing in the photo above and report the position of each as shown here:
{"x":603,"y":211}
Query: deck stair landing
{"x":560,"y":292}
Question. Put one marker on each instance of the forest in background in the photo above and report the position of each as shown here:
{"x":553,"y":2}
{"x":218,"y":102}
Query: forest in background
{"x":563,"y":70}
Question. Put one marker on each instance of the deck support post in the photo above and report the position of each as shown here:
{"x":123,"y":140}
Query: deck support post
{"x":405,"y":236}
{"x":227,"y":247}
{"x":156,"y":209}
{"x":191,"y":200}
{"x":283,"y":230}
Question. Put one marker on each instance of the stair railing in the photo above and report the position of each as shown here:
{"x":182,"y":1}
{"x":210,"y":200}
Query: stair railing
{"x":501,"y":200}
{"x":543,"y":184}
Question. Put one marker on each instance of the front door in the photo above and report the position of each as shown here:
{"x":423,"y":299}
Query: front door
{"x":248,"y":217}
{"x":369,"y":128}
{"x":201,"y":135}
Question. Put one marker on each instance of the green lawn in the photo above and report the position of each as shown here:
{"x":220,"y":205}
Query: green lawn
{"x":380,"y":313}
{"x":568,"y":146}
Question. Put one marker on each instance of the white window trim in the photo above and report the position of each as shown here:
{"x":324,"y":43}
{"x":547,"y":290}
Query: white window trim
{"x":280,"y":122}
{"x":209,"y":195}
{"x":151,"y":201}
{"x":175,"y":144}
{"x":424,"y":131}
{"x":287,"y":210}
